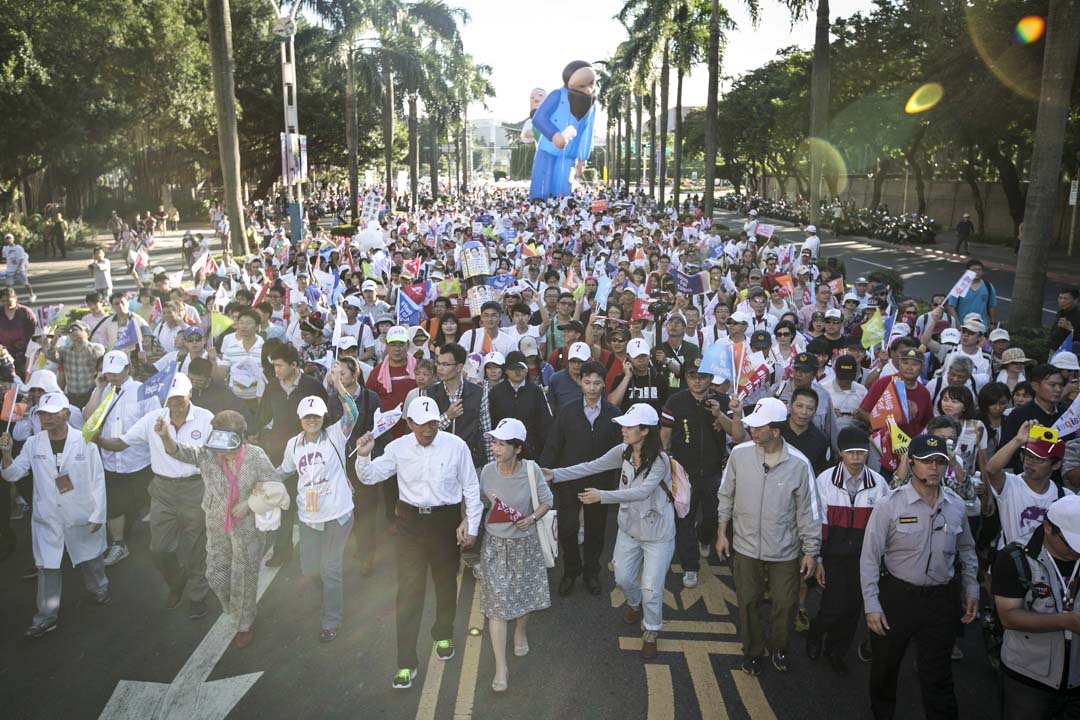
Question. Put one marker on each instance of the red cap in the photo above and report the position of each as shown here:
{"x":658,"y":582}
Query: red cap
{"x":1044,"y":449}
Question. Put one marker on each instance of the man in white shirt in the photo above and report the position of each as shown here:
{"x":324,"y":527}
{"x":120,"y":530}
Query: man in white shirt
{"x":845,"y":392}
{"x":177,"y":520}
{"x":1023,"y":499}
{"x":365,"y":338}
{"x":127,"y":471}
{"x":18,"y":264}
{"x":812,"y":242}
{"x":489,"y":336}
{"x":100,"y":269}
{"x":520,"y":314}
{"x":434,"y":473}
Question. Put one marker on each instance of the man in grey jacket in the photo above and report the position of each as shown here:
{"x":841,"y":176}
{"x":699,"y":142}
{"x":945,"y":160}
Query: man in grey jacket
{"x":768,"y":487}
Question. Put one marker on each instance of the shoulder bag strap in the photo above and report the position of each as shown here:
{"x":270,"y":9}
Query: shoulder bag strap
{"x":530,"y":468}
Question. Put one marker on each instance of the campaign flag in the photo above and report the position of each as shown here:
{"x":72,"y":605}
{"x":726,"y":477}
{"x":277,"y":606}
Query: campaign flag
{"x":765,"y":231}
{"x":689,"y":284}
{"x":898,"y":438}
{"x":340,"y":321}
{"x":599,"y":206}
{"x":97,"y":418}
{"x":408,"y":312}
{"x":450,"y":288}
{"x":12,"y":411}
{"x":412,"y":267}
{"x":1069,"y":422}
{"x":785,"y":256}
{"x":384,"y":421}
{"x":836,"y":286}
{"x":882,"y":440}
{"x":204,"y":264}
{"x":960,"y":289}
{"x":727,"y":284}
{"x":155,"y":312}
{"x":221,"y":297}
{"x":219,"y":324}
{"x":46,"y":314}
{"x":325,"y":281}
{"x":500,"y":282}
{"x":352,"y":263}
{"x":158,"y":384}
{"x":719,"y":360}
{"x":502,"y":513}
{"x":261,"y":294}
{"x":640,"y":310}
{"x":753,"y":373}
{"x":717,"y":251}
{"x":603,"y":290}
{"x":786,"y":284}
{"x":571,"y":281}
{"x":873,"y":330}
{"x":129,"y":337}
{"x":529,"y":250}
{"x":142,"y":259}
{"x":175,"y":278}
{"x":887,"y":407}
{"x":1066,"y":344}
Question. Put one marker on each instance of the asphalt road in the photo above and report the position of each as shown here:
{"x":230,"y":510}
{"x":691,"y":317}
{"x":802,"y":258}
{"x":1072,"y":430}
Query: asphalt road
{"x":135,"y":659}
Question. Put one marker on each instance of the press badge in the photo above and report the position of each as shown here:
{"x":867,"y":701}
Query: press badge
{"x":63,"y":484}
{"x":311,"y":501}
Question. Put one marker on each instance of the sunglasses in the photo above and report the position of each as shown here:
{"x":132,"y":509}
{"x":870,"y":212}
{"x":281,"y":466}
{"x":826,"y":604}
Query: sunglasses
{"x":832,"y":321}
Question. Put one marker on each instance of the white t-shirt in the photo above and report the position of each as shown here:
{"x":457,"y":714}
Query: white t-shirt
{"x":16,"y":258}
{"x":320,"y":468}
{"x":1021,"y":510}
{"x":515,"y":336}
{"x":246,"y":378}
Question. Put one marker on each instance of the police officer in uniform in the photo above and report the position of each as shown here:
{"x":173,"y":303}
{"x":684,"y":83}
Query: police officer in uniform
{"x":910,"y":585}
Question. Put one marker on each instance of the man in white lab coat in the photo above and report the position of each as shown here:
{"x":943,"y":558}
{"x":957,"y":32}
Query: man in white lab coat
{"x":69,"y":507}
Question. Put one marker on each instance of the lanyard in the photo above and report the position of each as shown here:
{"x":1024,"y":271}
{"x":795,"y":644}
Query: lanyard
{"x":310,"y":456}
{"x":1067,"y":594}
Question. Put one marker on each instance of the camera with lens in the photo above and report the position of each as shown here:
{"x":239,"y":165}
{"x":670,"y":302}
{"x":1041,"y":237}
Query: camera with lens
{"x":1039,"y":432}
{"x":660,"y":307}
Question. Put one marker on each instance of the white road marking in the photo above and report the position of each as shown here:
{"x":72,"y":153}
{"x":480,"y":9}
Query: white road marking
{"x":189,"y":695}
{"x":1048,"y":311}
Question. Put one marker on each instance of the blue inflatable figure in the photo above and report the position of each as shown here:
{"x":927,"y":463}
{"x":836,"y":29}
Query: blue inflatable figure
{"x":565,"y":123}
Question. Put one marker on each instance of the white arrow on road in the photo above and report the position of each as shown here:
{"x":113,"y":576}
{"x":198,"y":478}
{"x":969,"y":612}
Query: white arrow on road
{"x":189,"y":695}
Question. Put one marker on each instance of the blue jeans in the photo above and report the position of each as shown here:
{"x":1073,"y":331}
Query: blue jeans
{"x":652,"y":560}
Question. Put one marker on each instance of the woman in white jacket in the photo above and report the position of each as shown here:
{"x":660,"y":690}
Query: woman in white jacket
{"x":69,"y":507}
{"x":646,"y":539}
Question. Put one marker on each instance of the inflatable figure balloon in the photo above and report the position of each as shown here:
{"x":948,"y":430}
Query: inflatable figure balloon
{"x":529,"y":134}
{"x":565,"y":122}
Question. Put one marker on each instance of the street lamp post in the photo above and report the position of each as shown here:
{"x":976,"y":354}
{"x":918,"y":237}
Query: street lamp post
{"x":285,"y":28}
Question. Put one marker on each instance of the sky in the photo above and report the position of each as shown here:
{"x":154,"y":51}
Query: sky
{"x":528,"y":44}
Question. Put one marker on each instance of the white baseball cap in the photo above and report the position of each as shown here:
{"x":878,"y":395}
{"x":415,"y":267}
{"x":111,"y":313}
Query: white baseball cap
{"x":637,"y":347}
{"x":355,"y":301}
{"x":346,"y":341}
{"x":53,"y":402}
{"x":368,"y":285}
{"x":950,"y":336}
{"x":423,"y":410}
{"x":999,"y":334}
{"x":833,"y":313}
{"x":740,"y":317}
{"x":495,"y":357}
{"x":1065,"y":513}
{"x":114,"y":362}
{"x":43,"y":380}
{"x":1065,"y":360}
{"x":811,"y":228}
{"x":767,"y":410}
{"x":579,"y":351}
{"x":638,"y":414}
{"x":397,"y":333}
{"x":508,"y":429}
{"x":753,"y":213}
{"x":180,"y":387}
{"x":311,"y":405}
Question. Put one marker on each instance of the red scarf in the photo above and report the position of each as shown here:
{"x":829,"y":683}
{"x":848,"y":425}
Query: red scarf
{"x":234,"y":485}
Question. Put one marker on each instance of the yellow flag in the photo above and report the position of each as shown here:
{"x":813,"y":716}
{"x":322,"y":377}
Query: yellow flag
{"x":97,"y":418}
{"x":873,"y":330}
{"x":219,"y":323}
{"x":898,"y":438}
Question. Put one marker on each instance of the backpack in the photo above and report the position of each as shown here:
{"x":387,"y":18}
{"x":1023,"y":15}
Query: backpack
{"x":679,"y":493}
{"x":993,"y":630}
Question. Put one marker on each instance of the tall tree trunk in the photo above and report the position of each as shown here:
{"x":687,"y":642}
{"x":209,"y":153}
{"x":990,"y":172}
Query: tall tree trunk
{"x":219,"y":24}
{"x":466,"y":136}
{"x":434,"y":159}
{"x":652,"y":140}
{"x":1059,"y":66}
{"x":639,"y":176}
{"x":665,"y":86}
{"x":414,"y":152}
{"x":711,"y":106}
{"x":388,"y":129}
{"x":351,"y":134}
{"x":627,"y":176}
{"x":819,"y":105}
{"x":618,"y":152}
{"x":969,"y":171}
{"x":676,"y":184}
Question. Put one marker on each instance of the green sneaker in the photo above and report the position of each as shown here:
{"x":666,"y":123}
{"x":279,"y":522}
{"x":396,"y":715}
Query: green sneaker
{"x":802,"y":621}
{"x":444,"y":649}
{"x":403,"y":679}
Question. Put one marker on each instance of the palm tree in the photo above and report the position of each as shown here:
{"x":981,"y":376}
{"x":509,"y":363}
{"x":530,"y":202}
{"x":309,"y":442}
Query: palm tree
{"x":219,"y":25}
{"x":689,"y":42}
{"x":1059,"y":67}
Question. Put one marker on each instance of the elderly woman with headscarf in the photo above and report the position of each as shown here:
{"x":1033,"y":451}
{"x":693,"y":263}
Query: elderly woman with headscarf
{"x":232,"y":471}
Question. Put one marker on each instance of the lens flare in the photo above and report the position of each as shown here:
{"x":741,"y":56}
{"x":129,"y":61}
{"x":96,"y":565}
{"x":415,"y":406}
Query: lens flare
{"x":924,"y":98}
{"x":1030,"y":29}
{"x":833,"y":166}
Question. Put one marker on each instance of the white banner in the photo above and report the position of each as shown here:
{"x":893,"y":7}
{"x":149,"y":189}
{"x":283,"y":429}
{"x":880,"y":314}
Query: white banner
{"x":960,"y":289}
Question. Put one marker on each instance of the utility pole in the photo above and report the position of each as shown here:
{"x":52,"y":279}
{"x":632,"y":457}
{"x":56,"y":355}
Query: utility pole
{"x":285,"y":28}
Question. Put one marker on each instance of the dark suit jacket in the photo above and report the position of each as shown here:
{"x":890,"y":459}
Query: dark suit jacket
{"x":467,"y":426}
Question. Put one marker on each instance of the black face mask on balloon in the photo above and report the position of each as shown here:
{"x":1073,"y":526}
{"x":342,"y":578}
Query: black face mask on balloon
{"x":580,"y":103}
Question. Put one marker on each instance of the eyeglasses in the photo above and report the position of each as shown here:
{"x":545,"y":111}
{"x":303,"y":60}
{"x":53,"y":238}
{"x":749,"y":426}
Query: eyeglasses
{"x":783,"y":334}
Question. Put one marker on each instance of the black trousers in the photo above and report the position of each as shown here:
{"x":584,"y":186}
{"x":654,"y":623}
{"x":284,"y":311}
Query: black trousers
{"x":689,"y":531}
{"x":367,"y":507}
{"x":927,"y":616}
{"x":841,"y":605}
{"x":425,"y":542}
{"x":587,"y":560}
{"x":1024,"y":702}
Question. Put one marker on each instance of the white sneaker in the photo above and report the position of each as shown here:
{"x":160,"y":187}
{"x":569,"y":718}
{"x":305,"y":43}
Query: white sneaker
{"x":689,"y":579}
{"x":19,"y":508}
{"x":704,"y":549}
{"x":116,"y":552}
{"x":581,"y":536}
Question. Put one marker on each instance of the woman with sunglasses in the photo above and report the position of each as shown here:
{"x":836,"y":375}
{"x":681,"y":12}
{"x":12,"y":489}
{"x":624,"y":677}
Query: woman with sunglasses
{"x":232,"y":471}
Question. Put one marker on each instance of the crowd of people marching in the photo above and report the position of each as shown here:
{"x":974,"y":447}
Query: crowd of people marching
{"x":482,"y":364}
